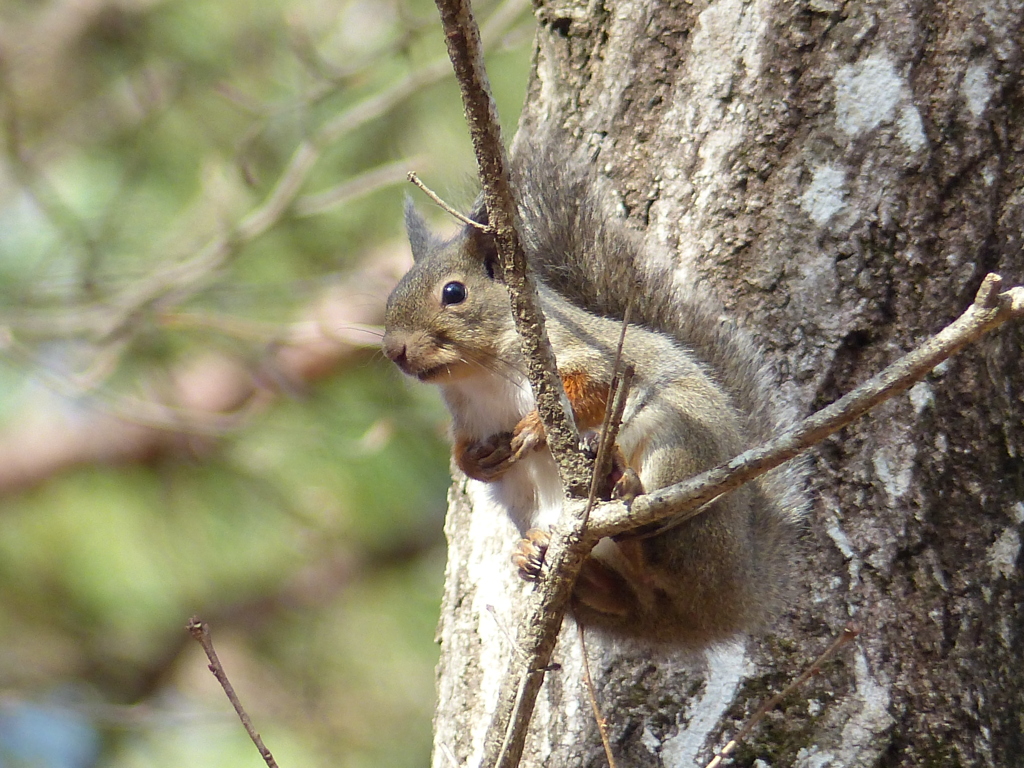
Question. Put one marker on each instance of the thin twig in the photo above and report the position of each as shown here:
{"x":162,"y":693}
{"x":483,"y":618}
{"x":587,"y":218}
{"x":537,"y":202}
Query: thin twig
{"x":618,"y":391}
{"x":201,"y":632}
{"x":602,"y":727}
{"x":849,"y":633}
{"x":411,"y":176}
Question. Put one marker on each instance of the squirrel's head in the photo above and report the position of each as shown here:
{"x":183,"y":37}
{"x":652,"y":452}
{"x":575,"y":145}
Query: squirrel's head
{"x":449,"y":317}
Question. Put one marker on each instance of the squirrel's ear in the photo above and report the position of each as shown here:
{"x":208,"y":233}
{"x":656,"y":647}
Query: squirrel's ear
{"x":486,"y":250}
{"x":420,"y":237}
{"x":483,"y":242}
{"x":479,"y":212}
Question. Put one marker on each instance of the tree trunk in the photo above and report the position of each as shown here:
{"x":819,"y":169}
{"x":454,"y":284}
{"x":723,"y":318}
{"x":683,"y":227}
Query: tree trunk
{"x":843,"y":174}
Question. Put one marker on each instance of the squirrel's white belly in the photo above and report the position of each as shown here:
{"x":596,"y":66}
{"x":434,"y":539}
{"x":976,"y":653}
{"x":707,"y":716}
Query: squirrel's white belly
{"x":531,"y":492}
{"x":488,"y":405}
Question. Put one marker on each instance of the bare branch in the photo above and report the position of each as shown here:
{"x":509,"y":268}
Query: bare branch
{"x":201,"y":632}
{"x":542,"y":616}
{"x":466,"y":53}
{"x":602,"y":727}
{"x":506,"y":734}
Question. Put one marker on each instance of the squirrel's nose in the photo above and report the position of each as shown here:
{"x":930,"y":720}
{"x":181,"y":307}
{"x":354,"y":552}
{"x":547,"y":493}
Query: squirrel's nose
{"x":395,"y":350}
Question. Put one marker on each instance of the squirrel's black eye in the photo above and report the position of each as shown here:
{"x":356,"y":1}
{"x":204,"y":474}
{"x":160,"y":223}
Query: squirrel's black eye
{"x":453,"y":293}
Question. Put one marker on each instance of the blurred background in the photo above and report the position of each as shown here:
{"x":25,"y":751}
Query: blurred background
{"x":200,"y":218}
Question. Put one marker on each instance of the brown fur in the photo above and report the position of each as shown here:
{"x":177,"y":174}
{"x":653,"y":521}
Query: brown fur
{"x":699,"y":397}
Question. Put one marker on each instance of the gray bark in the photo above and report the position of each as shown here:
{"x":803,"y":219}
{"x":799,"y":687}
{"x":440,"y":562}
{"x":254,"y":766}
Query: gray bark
{"x":842,"y":175}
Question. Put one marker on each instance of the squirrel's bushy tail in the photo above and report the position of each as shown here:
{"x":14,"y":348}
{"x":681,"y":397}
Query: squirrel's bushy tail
{"x":578,"y":247}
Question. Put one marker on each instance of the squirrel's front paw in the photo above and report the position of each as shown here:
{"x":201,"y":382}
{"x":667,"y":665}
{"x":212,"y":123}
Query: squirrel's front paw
{"x":486,"y":459}
{"x":528,"y":556}
{"x":529,"y":435}
{"x":492,"y":457}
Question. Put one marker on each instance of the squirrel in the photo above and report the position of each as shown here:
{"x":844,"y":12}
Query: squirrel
{"x":699,"y":396}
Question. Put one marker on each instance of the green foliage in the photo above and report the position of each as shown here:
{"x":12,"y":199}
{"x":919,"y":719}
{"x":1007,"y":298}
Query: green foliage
{"x":139,"y":141}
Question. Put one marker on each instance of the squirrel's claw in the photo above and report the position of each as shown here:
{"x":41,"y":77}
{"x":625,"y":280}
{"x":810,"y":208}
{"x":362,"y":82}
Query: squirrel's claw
{"x":486,"y":460}
{"x":492,"y":457}
{"x":628,"y":486}
{"x":528,"y":555}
